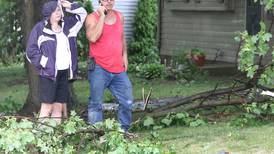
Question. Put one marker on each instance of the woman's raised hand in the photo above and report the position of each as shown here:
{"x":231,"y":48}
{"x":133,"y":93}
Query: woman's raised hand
{"x":66,"y":4}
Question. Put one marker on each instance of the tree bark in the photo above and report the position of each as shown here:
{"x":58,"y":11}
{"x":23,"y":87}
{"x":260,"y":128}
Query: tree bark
{"x":30,"y":16}
{"x":218,"y":97}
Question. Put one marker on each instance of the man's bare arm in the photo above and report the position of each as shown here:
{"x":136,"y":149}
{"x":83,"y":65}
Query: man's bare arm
{"x":125,"y":57}
{"x":94,"y":28}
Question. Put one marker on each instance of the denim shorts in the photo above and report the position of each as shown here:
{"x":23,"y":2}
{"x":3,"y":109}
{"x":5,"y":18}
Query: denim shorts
{"x":55,"y":91}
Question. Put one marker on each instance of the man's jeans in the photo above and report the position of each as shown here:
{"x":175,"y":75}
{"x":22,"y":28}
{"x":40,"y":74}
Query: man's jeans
{"x":120,"y":87}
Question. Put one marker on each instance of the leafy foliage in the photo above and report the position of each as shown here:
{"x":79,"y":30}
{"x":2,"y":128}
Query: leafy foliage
{"x":256,"y":48}
{"x":82,"y":41}
{"x":9,"y":105}
{"x":143,"y":46}
{"x":73,"y":136}
{"x":197,"y":51}
{"x":11,"y":33}
{"x":255,"y":114}
{"x":268,"y":3}
{"x":254,"y":59}
{"x":150,"y":56}
{"x":182,"y":68}
{"x":150,"y":71}
{"x":179,"y":119}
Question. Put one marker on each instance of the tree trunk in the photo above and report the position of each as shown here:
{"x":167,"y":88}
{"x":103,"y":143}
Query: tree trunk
{"x":31,"y":14}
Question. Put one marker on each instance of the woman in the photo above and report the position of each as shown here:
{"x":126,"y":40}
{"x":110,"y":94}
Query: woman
{"x":52,"y":50}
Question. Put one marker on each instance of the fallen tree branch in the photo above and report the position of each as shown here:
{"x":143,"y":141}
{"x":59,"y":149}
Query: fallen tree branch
{"x":147,"y":99}
{"x":206,"y":104}
{"x":85,"y":131}
{"x":192,"y":98}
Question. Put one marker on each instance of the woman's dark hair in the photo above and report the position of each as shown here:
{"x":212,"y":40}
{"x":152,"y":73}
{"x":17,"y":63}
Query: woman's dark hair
{"x":48,"y":25}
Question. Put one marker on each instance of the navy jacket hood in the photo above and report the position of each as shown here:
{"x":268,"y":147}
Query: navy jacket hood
{"x":48,"y":8}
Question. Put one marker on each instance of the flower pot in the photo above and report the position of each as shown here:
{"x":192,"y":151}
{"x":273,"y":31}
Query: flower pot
{"x":198,"y":59}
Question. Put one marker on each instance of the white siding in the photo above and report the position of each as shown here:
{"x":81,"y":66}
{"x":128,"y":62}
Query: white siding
{"x":204,"y":27}
{"x":128,"y":8}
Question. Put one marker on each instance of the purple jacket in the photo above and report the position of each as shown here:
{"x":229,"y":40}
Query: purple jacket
{"x":42,"y":43}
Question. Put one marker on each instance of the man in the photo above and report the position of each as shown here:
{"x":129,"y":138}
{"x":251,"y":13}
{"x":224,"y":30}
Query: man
{"x":104,"y":30}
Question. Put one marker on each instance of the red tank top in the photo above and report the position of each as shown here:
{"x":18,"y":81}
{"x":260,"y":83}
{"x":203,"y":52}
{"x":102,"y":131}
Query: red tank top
{"x":108,"y":49}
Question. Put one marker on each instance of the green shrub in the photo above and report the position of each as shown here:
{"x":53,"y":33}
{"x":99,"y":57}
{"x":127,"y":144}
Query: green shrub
{"x":180,"y":56}
{"x":132,"y":68}
{"x":143,"y":46}
{"x":197,"y":51}
{"x":182,"y":68}
{"x":9,"y":105}
{"x":150,"y":71}
{"x":151,"y":56}
{"x":11,"y":33}
{"x":82,"y":41}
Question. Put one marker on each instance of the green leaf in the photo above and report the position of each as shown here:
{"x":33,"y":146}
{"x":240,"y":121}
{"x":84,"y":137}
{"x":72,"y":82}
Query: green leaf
{"x":265,"y":106}
{"x":196,"y":123}
{"x":166,"y":121}
{"x":133,"y":148}
{"x":109,"y":123}
{"x":262,"y":25}
{"x":237,"y":39}
{"x":73,"y":113}
{"x":157,"y":127}
{"x":254,"y":39}
{"x":25,"y":124}
{"x":267,"y":37}
{"x":148,"y":122}
{"x":257,"y":111}
{"x":70,"y":127}
{"x":118,"y":150}
{"x":272,"y":108}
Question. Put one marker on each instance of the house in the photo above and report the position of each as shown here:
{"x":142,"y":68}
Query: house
{"x":128,"y":8}
{"x":207,"y":24}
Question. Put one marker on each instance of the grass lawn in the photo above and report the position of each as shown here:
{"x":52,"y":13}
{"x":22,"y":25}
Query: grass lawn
{"x":211,"y":138}
{"x":160,"y":88}
{"x":220,"y":137}
{"x":13,"y":85}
